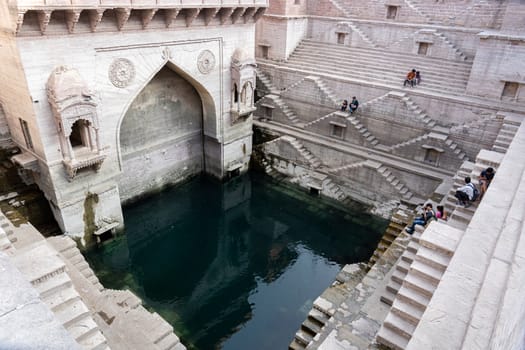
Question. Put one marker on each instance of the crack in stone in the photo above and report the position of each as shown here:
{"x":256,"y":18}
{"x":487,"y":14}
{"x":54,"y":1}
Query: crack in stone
{"x":18,"y":307}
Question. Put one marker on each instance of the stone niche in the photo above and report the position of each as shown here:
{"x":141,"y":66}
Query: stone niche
{"x":242,"y":86}
{"x":75,"y":114}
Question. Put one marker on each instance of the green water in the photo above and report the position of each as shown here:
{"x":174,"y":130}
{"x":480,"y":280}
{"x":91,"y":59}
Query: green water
{"x":237,"y":265}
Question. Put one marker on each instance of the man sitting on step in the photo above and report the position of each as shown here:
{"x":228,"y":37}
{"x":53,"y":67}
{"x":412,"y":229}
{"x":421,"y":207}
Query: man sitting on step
{"x":466,"y":194}
{"x":427,"y":216}
{"x":353,"y":105}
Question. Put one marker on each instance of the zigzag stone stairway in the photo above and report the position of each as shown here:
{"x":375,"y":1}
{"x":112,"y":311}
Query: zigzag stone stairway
{"x":94,"y":318}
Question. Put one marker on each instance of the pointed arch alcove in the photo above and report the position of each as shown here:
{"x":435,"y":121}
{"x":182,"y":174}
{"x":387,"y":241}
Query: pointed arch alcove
{"x":161,"y":134}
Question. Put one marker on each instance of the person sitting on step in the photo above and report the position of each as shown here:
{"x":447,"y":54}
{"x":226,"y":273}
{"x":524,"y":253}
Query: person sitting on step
{"x":410,"y":79}
{"x":344,"y":105}
{"x":353,"y":105}
{"x":465,"y":194}
{"x":426,"y":216}
{"x":441,"y":213}
{"x":484,"y":180}
{"x":418,"y":77}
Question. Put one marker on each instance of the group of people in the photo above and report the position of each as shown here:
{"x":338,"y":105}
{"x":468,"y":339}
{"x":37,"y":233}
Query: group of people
{"x":465,"y":195}
{"x":413,"y":78}
{"x":469,"y":193}
{"x":352,"y":107}
{"x":428,"y":214}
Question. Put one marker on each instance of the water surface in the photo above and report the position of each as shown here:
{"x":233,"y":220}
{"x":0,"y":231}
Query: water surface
{"x":236,"y":265}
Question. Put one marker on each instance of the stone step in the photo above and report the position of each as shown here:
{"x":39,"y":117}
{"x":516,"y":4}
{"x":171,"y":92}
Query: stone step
{"x":408,"y":256}
{"x":303,"y":337}
{"x":83,"y":329}
{"x":388,"y":297}
{"x":399,"y":325}
{"x":398,"y":276}
{"x":53,"y":285}
{"x":402,"y":266}
{"x":74,"y":312}
{"x":393,"y":286}
{"x":295,"y":345}
{"x":413,"y":297}
{"x":318,"y":316}
{"x":61,"y":299}
{"x":168,"y":342}
{"x":432,"y":258}
{"x":407,"y":311}
{"x":95,"y":342}
{"x":311,"y":326}
{"x":391,"y":339}
{"x":430,"y":273}
{"x":413,"y":245}
{"x":419,"y":284}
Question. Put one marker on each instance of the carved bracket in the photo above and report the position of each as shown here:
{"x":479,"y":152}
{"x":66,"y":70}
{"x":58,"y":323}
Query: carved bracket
{"x":191,"y":14}
{"x":249,"y":14}
{"x":260,"y":12}
{"x":95,"y":16}
{"x":226,"y":13}
{"x":210,"y":14}
{"x":72,"y":17}
{"x":43,"y":20}
{"x":237,"y":14}
{"x":147,"y":16}
{"x":170,"y":15}
{"x":122,"y":16}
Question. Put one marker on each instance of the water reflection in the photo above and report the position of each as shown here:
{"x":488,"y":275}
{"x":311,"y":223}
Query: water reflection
{"x":236,"y":265}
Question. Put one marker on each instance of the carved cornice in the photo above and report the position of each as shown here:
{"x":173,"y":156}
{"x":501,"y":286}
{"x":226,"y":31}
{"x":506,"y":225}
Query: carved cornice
{"x":223,"y":10}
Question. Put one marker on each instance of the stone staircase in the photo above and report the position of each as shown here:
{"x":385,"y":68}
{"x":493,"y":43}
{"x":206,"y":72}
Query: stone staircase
{"x":378,"y":66}
{"x":409,"y":142}
{"x":506,"y":134}
{"x":55,"y":287}
{"x":341,"y":8}
{"x":395,"y":182}
{"x":350,"y":301}
{"x":417,"y":275}
{"x":487,"y":13}
{"x":401,"y":217}
{"x":287,"y":111}
{"x":362,"y":35}
{"x":334,"y":189}
{"x":485,"y":277}
{"x":312,"y":160}
{"x":318,"y":120}
{"x":354,"y":165}
{"x":416,"y":9}
{"x":418,"y":111}
{"x":459,"y":54}
{"x":363,"y":130}
{"x":68,"y":248}
{"x":325,"y":89}
{"x":266,"y":82}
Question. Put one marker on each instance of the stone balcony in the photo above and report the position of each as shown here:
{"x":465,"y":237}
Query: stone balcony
{"x":35,"y":16}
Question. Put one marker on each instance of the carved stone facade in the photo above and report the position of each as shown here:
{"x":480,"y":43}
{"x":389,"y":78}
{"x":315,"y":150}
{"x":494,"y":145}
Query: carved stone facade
{"x":132,"y":134}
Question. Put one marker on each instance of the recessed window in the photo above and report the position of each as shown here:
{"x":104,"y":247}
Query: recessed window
{"x":391,"y":12}
{"x":297,"y":2}
{"x":27,"y":135}
{"x":510,"y":90}
{"x":268,"y":112}
{"x":341,"y":38}
{"x":423,"y":49}
{"x":264,"y":51}
{"x":338,"y":131}
{"x":431,"y":156}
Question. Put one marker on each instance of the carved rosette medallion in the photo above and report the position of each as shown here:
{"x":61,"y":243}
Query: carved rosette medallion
{"x":206,"y":62}
{"x":121,"y":72}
